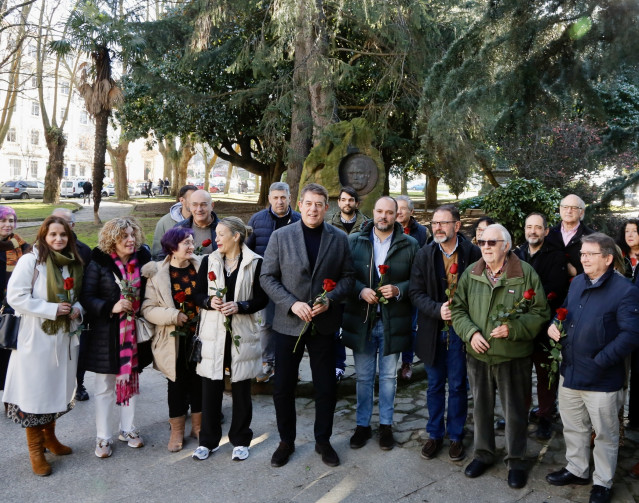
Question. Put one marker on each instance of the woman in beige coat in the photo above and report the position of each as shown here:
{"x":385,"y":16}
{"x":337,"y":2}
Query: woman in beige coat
{"x":229,"y":292}
{"x":169,"y":304}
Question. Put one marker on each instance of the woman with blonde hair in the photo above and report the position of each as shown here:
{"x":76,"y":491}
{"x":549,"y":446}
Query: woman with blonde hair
{"x":230,"y":296}
{"x":112,"y":294}
{"x":40,"y":384}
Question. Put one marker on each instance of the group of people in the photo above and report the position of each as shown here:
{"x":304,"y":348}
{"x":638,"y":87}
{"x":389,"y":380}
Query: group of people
{"x":225,"y":298}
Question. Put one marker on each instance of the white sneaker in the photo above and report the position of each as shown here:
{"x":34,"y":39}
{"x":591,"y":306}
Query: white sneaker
{"x":240,"y":453}
{"x":267,"y":372}
{"x":132,"y":438}
{"x":103,"y":448}
{"x":201,"y":453}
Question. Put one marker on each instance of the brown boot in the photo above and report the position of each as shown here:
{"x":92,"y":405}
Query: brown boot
{"x":35,"y":442}
{"x":52,"y":443}
{"x":177,"y":433}
{"x":196,"y":424}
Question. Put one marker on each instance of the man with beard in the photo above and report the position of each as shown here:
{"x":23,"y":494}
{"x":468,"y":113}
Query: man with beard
{"x":349,"y":217}
{"x":436,"y":270}
{"x":378,"y":316}
{"x":549,"y":263}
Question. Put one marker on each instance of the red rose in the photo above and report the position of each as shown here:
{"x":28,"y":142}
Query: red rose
{"x":529,"y":294}
{"x":552,"y":296}
{"x":130,"y":268}
{"x":68,"y":284}
{"x":383,"y":269}
{"x":406,"y":230}
{"x":453,"y":268}
{"x":329,"y":285}
{"x":206,"y":243}
{"x":561,"y":314}
{"x":212,"y":276}
{"x":180,"y":297}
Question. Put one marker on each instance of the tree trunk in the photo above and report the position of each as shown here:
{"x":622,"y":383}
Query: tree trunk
{"x":208,"y":166}
{"x":118,"y":160}
{"x":167,"y":148}
{"x":487,"y":170}
{"x":184,"y":155}
{"x":258,"y":184}
{"x":431,"y":191}
{"x":229,"y":174}
{"x":56,"y":143}
{"x":101,"y":124}
{"x":404,"y":185}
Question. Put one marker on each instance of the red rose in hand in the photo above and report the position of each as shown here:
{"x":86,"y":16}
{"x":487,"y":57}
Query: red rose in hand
{"x":383,"y":269}
{"x":561,"y":314}
{"x":529,"y":294}
{"x":68,"y":283}
{"x":453,"y":268}
{"x":406,"y":230}
{"x":212,"y":276}
{"x":551,"y":296}
{"x":206,"y":243}
{"x":180,"y":297}
{"x":329,"y":285}
{"x":130,"y":268}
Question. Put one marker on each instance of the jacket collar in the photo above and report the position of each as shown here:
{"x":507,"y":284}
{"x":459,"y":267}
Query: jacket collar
{"x":604,"y":277}
{"x":513,"y":267}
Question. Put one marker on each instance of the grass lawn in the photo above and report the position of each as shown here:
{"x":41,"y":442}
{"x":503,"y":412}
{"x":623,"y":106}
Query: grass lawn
{"x":31,"y":210}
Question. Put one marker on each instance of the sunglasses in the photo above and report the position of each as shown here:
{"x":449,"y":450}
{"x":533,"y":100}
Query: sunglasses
{"x":489,"y":242}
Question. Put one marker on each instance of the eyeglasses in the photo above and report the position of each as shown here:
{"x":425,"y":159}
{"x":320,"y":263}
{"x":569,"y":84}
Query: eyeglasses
{"x":574,"y":208}
{"x":589,"y":254}
{"x":442,"y":223}
{"x":489,"y":242}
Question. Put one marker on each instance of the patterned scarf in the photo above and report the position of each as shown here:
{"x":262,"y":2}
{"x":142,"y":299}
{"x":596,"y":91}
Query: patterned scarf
{"x":12,"y":246}
{"x":56,"y":291}
{"x":127,"y":383}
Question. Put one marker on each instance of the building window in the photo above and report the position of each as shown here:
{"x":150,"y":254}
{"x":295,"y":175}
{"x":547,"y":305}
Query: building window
{"x":35,"y":108}
{"x":34,"y":169}
{"x":82,"y":171}
{"x":82,"y":143}
{"x":64,"y":88}
{"x":84,"y":117}
{"x":62,"y":112}
{"x":35,"y":137}
{"x":66,"y":171}
{"x":11,"y":135}
{"x":15,"y":170}
{"x":73,"y":170}
{"x":34,"y":82}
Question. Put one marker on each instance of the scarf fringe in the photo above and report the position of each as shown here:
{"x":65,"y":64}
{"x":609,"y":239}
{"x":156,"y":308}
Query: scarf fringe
{"x":126,"y":390}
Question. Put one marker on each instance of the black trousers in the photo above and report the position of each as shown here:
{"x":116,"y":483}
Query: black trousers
{"x":321,"y":350}
{"x":240,"y":432}
{"x":187,"y":388}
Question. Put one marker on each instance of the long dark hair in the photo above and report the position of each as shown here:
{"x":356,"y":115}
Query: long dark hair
{"x":41,"y":242}
{"x":621,"y":235}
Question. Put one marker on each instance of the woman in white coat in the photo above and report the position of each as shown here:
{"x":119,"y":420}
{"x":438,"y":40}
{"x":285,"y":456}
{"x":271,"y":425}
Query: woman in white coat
{"x":230,"y":296}
{"x":40,"y":385}
{"x":170,"y":305}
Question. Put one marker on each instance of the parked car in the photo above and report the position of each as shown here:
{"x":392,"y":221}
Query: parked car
{"x":109,"y":190}
{"x":22,"y":189}
{"x":72,"y":188}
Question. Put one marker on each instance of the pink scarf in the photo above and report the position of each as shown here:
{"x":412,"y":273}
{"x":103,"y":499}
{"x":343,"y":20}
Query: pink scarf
{"x":126,"y":383}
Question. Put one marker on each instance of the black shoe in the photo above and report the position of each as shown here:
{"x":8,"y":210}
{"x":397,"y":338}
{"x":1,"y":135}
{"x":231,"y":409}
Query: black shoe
{"x":599,"y":494}
{"x":386,"y":440}
{"x":281,"y":454}
{"x":500,"y":424}
{"x":532,"y":415}
{"x":544,"y":430}
{"x":329,"y":456}
{"x":517,"y":478}
{"x":361,"y":435}
{"x":475,"y":469}
{"x":81,"y":394}
{"x":563,"y":477}
{"x":431,"y":448}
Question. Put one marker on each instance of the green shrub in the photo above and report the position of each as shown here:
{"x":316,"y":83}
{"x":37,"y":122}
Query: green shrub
{"x":510,"y":204}
{"x":472,"y":203}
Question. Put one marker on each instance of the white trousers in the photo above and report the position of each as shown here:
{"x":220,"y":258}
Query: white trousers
{"x":581,"y":411}
{"x":105,"y":408}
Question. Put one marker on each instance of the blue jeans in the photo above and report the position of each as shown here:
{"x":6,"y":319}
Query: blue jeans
{"x":365,"y":365}
{"x":449,"y":364}
{"x":407,"y":356}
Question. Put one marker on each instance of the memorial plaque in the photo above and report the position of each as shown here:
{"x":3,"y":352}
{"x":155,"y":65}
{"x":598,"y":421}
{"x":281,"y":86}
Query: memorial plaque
{"x":360,"y":172}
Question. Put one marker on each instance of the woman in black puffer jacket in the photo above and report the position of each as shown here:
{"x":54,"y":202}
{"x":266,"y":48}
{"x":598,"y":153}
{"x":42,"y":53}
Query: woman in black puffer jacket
{"x":112,"y":292}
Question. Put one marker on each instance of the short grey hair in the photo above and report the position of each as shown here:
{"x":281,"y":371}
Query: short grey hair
{"x":606,"y":244}
{"x":580,"y":201}
{"x":409,"y":201}
{"x":508,"y":241}
{"x":65,"y":213}
{"x":280,"y":186}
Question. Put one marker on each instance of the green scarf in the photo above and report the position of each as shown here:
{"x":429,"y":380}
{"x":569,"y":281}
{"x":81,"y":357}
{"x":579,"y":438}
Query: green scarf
{"x":55,"y":288}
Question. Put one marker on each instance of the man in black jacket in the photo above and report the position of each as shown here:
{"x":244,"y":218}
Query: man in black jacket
{"x":549,"y":263}
{"x":435,"y":274}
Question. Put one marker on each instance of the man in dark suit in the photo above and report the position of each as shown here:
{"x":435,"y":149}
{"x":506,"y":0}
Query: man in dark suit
{"x":298,"y":258}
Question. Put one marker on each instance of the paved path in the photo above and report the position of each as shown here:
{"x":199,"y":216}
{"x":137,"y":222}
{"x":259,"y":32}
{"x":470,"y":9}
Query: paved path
{"x":108,"y":210}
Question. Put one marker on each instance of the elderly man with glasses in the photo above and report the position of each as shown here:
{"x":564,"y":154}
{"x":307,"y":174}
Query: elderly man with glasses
{"x":601,"y":329}
{"x":567,"y":235}
{"x":491,"y":315}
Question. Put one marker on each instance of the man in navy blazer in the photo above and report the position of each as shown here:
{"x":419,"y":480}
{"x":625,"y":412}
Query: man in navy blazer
{"x":298,"y":258}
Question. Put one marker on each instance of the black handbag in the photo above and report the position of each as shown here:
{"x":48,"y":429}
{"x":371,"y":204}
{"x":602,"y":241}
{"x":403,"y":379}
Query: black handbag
{"x":196,"y":349}
{"x":9,"y":327}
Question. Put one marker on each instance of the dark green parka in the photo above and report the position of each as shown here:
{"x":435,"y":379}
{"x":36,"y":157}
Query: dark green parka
{"x":359,"y":316}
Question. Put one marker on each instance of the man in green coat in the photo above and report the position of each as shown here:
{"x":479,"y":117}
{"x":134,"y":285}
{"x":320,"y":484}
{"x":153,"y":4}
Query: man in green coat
{"x":498,"y":309}
{"x":377,"y":319}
